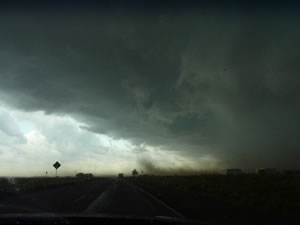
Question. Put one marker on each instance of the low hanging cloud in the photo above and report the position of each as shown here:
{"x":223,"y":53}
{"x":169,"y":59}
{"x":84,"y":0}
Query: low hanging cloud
{"x":223,"y":83}
{"x":9,"y":129}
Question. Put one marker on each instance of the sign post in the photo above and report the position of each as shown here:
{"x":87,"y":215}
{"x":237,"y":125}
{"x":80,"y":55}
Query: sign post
{"x":56,"y":165}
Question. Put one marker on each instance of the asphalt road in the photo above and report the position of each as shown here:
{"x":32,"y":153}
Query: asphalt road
{"x":104,"y":196}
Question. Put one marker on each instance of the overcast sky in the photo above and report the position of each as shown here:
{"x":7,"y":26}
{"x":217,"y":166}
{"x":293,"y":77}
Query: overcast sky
{"x":109,"y":89}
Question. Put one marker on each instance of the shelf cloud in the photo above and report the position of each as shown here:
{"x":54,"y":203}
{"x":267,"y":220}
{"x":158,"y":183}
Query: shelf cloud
{"x":214,"y":82}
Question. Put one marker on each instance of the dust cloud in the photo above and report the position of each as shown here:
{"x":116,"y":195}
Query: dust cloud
{"x":150,"y":168}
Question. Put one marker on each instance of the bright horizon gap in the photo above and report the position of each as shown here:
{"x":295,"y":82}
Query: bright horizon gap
{"x":51,"y":137}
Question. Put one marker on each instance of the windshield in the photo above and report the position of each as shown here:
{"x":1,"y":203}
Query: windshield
{"x":131,"y":108}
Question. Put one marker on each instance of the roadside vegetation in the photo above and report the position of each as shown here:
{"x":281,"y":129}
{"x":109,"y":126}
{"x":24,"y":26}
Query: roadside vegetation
{"x":10,"y":186}
{"x":251,"y":197}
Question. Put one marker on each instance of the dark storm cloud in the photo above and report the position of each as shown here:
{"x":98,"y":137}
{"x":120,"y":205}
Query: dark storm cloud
{"x":227,"y":81}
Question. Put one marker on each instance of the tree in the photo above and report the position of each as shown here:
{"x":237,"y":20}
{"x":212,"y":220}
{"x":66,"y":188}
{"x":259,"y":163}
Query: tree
{"x":135,"y":172}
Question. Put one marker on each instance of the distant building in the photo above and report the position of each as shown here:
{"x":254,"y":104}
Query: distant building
{"x":268,"y":171}
{"x":233,"y":172}
{"x":85,"y":175}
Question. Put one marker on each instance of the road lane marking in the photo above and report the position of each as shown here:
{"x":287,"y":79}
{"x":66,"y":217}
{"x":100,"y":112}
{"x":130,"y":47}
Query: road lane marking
{"x":102,"y":200}
{"x":80,"y":198}
{"x":106,"y":197}
{"x":155,"y":199}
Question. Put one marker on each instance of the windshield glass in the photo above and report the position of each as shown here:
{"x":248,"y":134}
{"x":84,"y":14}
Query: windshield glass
{"x":185,"y":110}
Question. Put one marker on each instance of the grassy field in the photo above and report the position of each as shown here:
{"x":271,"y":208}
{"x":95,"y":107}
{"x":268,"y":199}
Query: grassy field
{"x":10,"y":186}
{"x":228,"y":197}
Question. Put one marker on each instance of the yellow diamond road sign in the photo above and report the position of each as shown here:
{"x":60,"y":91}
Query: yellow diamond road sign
{"x":56,"y":165}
